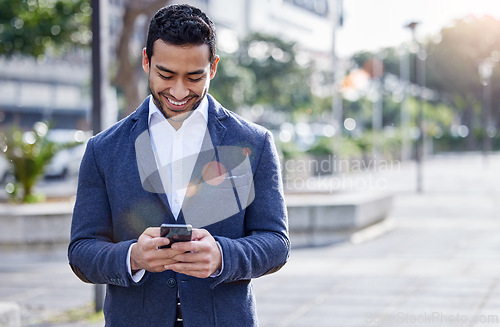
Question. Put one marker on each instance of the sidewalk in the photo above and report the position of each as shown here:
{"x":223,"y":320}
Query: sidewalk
{"x":439,"y":265}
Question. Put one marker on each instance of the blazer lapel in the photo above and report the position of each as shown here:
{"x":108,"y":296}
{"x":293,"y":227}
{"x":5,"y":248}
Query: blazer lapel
{"x":146,"y":161}
{"x":196,"y":197}
{"x":216,"y":127}
{"x":213,"y":139}
{"x":145,"y":157}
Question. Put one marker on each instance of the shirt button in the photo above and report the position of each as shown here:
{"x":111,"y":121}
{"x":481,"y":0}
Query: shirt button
{"x":176,"y":200}
{"x":171,"y":282}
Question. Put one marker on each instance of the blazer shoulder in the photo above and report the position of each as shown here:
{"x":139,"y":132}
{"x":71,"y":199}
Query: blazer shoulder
{"x":236,"y":123}
{"x":122,"y":130}
{"x":247,"y":126}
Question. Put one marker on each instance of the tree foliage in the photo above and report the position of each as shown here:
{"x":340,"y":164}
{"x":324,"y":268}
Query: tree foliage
{"x":39,"y":27}
{"x":234,"y":84}
{"x":128,"y":60}
{"x":452,"y":72}
{"x":454,"y":61}
{"x":264,"y":71}
{"x":35,"y":27}
{"x":279,"y":80}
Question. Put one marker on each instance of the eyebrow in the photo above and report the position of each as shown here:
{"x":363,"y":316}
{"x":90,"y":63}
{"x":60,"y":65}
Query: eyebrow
{"x":166,"y":70}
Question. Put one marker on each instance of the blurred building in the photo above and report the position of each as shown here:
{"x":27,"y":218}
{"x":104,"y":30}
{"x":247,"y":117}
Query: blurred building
{"x":56,"y":91}
{"x":306,"y":22}
{"x":60,"y":91}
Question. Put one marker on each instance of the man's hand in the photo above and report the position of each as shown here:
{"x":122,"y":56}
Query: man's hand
{"x":146,"y":255}
{"x":199,"y":258}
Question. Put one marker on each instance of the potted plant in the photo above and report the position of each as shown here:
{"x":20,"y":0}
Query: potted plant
{"x":28,"y":154}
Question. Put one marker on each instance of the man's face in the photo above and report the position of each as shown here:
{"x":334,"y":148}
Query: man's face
{"x":179,"y":76}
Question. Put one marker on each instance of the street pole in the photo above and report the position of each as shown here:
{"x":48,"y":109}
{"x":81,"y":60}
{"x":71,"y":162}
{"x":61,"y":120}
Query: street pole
{"x":485,"y":72}
{"x":419,"y":78}
{"x":404,"y":68}
{"x":420,"y":70}
{"x":337,"y":110}
{"x":377,"y":106}
{"x":99,"y":90}
{"x":486,"y":121}
{"x":96,"y":67}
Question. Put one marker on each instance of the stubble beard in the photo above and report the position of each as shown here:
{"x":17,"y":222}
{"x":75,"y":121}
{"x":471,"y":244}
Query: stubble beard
{"x":179,"y":117}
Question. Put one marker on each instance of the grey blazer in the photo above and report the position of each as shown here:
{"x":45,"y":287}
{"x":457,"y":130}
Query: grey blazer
{"x":120,"y":194}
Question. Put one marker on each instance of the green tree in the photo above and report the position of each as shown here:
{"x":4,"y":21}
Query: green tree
{"x":280,"y":82}
{"x":37,"y":27}
{"x":233,"y":84}
{"x":452,"y":61}
{"x":452,"y":67}
{"x":128,"y":69}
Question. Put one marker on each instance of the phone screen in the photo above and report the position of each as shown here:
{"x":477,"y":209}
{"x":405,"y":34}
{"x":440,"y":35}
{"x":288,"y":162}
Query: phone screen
{"x":176,"y":233}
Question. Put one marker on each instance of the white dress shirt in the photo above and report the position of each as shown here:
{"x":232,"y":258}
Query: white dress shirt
{"x":175,"y":152}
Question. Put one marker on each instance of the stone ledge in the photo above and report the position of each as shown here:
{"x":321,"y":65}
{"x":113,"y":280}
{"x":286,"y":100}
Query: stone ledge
{"x":321,"y":219}
{"x":10,"y":314}
{"x":40,"y":223}
{"x":314,"y":219}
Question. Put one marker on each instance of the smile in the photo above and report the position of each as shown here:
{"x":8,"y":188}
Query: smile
{"x":177,"y":103}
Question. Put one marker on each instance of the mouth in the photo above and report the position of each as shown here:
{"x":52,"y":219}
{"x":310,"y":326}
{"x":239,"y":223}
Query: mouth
{"x":177,"y":103}
{"x":179,"y":106}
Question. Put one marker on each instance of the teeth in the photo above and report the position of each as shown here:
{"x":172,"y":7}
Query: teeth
{"x":177,"y":103}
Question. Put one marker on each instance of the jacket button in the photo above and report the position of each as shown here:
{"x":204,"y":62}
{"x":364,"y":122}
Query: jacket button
{"x":171,"y":282}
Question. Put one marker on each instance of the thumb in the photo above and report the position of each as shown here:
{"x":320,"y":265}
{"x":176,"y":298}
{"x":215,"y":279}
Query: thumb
{"x":198,"y":234}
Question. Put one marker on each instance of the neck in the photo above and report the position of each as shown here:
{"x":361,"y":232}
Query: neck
{"x":177,"y":120}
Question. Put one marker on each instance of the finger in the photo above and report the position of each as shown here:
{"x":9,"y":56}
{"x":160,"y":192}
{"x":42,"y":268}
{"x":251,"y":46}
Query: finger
{"x":183,"y":247}
{"x":198,"y":234}
{"x":148,"y":243}
{"x":161,"y":264}
{"x":159,"y":258}
{"x":191,"y":269}
{"x":159,"y":242}
{"x":187,"y":257}
{"x":197,"y":237}
{"x":152,"y":231}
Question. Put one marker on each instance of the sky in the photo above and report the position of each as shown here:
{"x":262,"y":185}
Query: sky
{"x":374,"y":24}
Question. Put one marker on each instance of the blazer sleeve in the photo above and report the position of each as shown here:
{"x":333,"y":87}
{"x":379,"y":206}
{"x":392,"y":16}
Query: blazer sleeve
{"x":266,"y":246}
{"x":92,"y":255}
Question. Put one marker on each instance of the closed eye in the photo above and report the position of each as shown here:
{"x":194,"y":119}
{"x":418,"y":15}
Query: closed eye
{"x":195,"y":79}
{"x":165,"y":77}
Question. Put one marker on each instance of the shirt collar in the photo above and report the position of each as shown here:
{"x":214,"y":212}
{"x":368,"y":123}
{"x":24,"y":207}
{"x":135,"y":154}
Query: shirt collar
{"x":201,"y":110}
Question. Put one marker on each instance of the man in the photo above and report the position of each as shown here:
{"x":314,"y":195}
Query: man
{"x":179,"y":158}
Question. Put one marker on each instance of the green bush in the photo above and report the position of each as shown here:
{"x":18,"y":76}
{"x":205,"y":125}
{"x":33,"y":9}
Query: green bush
{"x":322,"y":147}
{"x":28,"y":153}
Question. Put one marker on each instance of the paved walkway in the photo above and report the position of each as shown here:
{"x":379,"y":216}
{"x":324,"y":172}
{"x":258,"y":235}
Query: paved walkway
{"x":439,"y":264}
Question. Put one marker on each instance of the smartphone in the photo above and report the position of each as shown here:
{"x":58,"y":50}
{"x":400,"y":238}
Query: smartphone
{"x":176,"y":233}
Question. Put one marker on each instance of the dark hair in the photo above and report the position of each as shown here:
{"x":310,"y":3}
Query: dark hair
{"x":180,"y":25}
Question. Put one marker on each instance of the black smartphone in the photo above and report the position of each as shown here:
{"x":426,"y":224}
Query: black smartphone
{"x":176,"y":233}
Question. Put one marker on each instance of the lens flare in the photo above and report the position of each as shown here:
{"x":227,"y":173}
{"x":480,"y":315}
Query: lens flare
{"x":214,"y":173}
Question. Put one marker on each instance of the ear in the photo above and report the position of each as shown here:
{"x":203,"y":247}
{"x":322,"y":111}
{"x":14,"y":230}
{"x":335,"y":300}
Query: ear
{"x":213,"y":67}
{"x":145,"y":61}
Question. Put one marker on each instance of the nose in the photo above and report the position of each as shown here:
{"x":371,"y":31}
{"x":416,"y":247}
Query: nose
{"x":179,"y":89}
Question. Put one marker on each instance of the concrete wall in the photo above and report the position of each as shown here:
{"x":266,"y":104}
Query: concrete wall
{"x":319,"y":219}
{"x":41,"y":223}
{"x":314,"y":219}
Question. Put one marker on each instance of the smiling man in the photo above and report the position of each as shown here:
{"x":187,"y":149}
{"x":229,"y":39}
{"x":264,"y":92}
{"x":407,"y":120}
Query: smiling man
{"x":179,"y":76}
{"x":180,"y":158}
